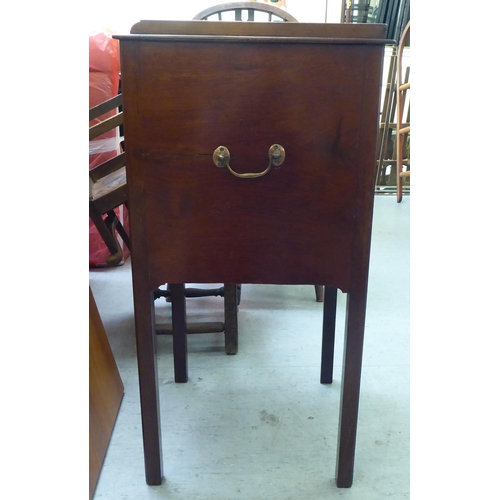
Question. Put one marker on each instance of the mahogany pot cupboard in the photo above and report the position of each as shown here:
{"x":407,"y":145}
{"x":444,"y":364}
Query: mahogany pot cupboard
{"x":250,"y":153}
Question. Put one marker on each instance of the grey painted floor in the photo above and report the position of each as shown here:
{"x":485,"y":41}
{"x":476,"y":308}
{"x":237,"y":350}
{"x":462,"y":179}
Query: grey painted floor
{"x":259,"y":425}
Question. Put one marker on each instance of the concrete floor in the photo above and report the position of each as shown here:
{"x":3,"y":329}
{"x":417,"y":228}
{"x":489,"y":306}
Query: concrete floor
{"x":259,"y":425}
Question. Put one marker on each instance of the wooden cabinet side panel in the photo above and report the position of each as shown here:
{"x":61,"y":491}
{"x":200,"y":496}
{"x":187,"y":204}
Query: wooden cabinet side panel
{"x":295,"y":225}
{"x":105,"y":393}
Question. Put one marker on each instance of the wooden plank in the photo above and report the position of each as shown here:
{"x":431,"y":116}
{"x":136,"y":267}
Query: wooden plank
{"x":107,"y":168}
{"x":105,"y":393}
{"x":105,"y":126}
{"x":192,"y":328}
{"x":288,"y":30}
{"x":105,"y":107}
{"x":260,"y":39}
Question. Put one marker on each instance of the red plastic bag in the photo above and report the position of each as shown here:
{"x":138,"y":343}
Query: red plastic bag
{"x":104,"y":57}
{"x":104,"y":78}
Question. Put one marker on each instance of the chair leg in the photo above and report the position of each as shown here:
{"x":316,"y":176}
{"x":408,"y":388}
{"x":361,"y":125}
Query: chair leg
{"x":399,"y":180}
{"x":179,"y":332}
{"x":231,"y":318}
{"x":327,"y":349}
{"x":112,"y":221}
{"x":107,"y":234}
{"x":320,"y":293}
{"x":351,"y":381}
{"x":121,"y":231}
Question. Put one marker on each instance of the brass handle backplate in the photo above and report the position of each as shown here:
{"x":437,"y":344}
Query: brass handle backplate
{"x":276,"y":155}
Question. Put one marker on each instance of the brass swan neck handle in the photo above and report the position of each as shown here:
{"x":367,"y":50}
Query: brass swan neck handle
{"x":276,"y":156}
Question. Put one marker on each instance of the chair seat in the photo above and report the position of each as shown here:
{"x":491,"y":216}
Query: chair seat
{"x":110,"y":190}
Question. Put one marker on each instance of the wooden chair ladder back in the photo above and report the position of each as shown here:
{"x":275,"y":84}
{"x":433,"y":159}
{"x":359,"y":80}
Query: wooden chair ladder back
{"x":107,"y":181}
{"x":274,"y":14}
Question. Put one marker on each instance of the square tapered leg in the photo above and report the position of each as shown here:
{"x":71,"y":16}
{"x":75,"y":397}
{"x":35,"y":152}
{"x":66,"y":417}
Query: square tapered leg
{"x":351,"y":381}
{"x":148,"y":386}
{"x":327,"y":348}
{"x":179,"y":332}
{"x":230,"y":319}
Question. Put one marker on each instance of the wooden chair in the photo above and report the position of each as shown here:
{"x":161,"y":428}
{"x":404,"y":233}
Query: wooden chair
{"x":108,"y":182}
{"x":402,"y":128}
{"x":237,"y":9}
{"x":274,"y":14}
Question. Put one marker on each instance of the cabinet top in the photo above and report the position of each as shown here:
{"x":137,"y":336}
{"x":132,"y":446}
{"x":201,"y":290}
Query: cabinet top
{"x":222,"y":31}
